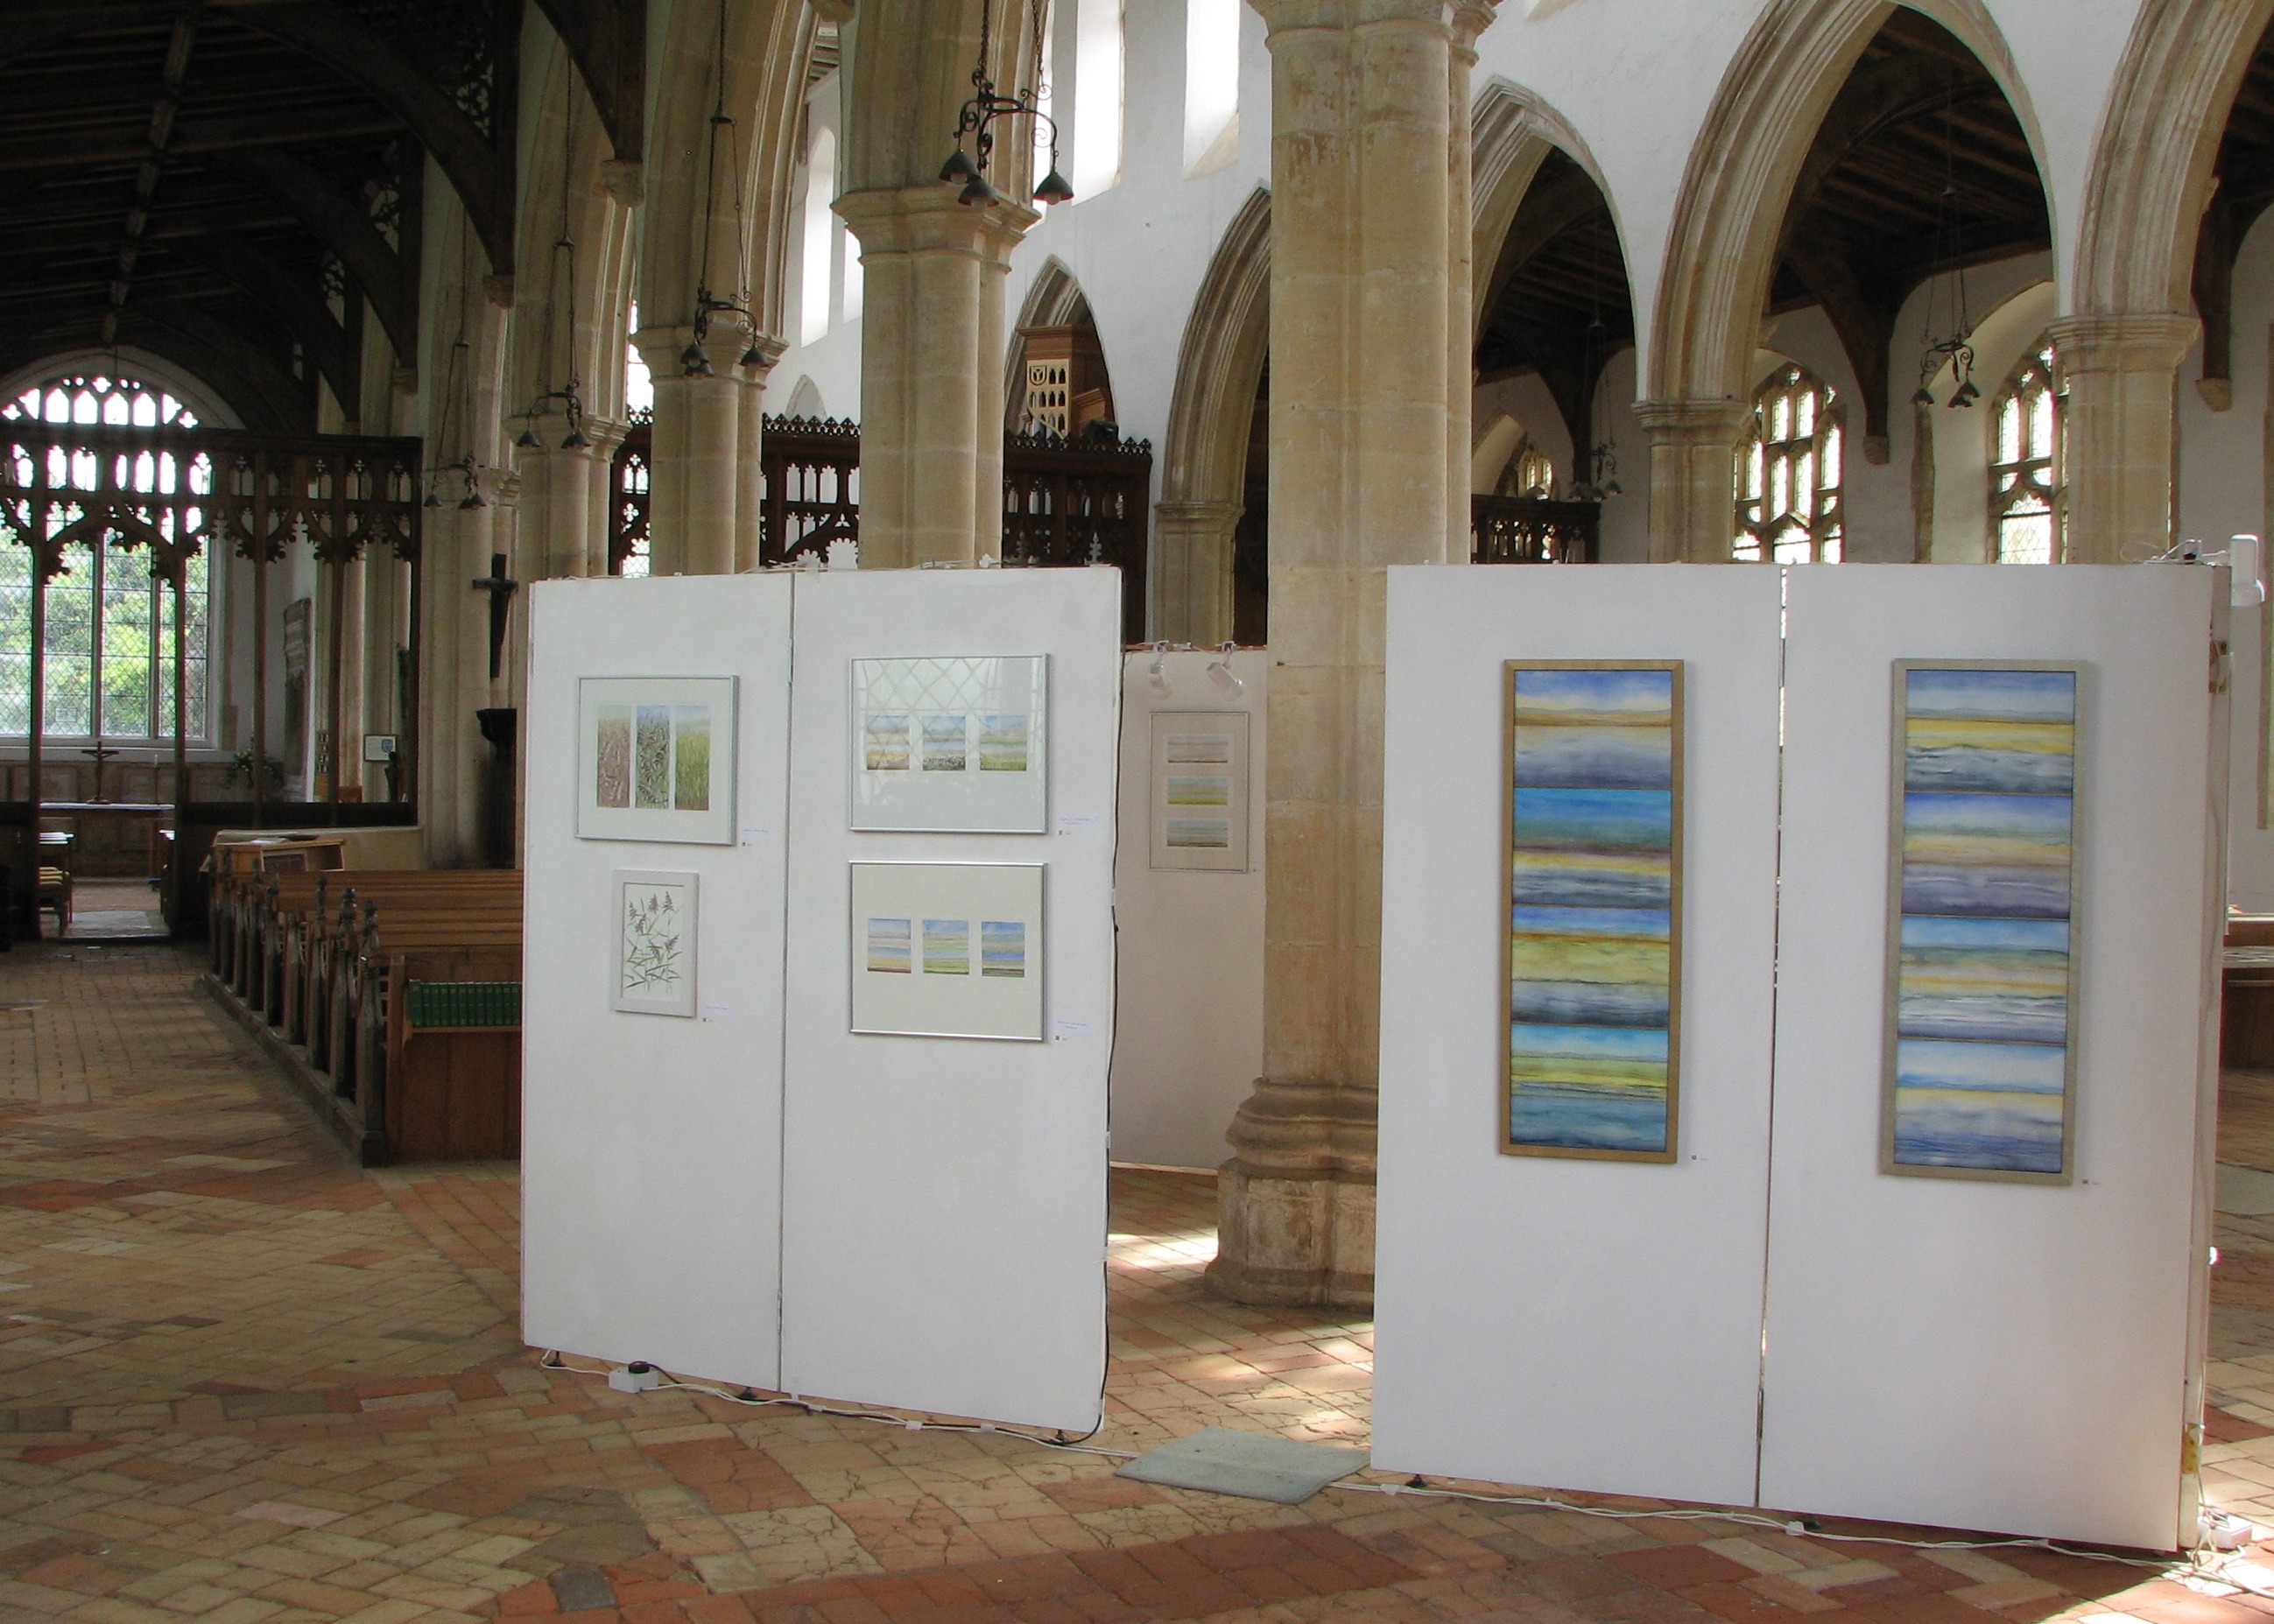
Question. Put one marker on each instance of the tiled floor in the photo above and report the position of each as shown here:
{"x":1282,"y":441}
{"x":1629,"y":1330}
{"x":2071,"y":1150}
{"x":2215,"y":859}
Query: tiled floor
{"x":242,"y":1382}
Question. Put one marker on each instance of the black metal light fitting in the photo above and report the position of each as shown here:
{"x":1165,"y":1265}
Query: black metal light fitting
{"x":978,"y":120}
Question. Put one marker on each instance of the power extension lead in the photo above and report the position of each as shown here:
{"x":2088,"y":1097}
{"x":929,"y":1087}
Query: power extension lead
{"x":2225,"y":1531}
{"x":637,"y":1377}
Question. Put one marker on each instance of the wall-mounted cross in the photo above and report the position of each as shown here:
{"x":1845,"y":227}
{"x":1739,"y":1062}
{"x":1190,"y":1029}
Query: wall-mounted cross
{"x":500,"y":591}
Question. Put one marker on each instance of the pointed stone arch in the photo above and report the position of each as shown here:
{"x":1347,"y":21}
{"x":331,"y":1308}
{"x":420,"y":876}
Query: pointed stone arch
{"x":1204,"y":458}
{"x":1055,"y":299}
{"x":1511,"y":133}
{"x":1722,"y":246}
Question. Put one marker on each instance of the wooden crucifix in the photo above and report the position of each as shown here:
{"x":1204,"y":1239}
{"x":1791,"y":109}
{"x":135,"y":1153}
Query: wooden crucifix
{"x":500,"y":591}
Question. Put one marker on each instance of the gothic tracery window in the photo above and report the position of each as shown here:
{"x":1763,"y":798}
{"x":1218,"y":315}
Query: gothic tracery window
{"x":1530,"y":472}
{"x":1789,"y":491}
{"x":2025,"y":463}
{"x":110,"y":628}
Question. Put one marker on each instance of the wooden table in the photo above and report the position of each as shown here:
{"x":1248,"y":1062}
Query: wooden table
{"x":118,"y":838}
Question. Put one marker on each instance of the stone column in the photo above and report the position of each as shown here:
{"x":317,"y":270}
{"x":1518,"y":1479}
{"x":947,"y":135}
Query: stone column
{"x":1362,"y":268}
{"x":455,"y":639}
{"x":931,"y":372}
{"x":693,"y":486}
{"x":347,"y":748}
{"x":1192,"y":571}
{"x":556,"y":495}
{"x":1693,"y":483}
{"x":2119,"y":374}
{"x":599,"y":490}
{"x":751,"y":492}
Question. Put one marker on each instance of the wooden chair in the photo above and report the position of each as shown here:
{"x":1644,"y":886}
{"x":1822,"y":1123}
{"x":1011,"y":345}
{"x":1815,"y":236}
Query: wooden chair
{"x":54,"y":888}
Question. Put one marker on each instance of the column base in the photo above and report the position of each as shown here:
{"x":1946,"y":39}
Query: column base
{"x":1295,"y":1206}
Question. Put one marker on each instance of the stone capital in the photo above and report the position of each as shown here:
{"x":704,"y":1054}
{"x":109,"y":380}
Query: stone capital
{"x":928,"y":218}
{"x":1207,"y":517}
{"x":2152,"y":342}
{"x":1718,"y":422}
{"x":625,"y":180}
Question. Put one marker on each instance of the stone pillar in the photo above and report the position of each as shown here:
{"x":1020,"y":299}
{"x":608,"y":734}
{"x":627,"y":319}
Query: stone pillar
{"x":1362,"y":298}
{"x":932,"y":329}
{"x":599,"y":490}
{"x":457,"y":544}
{"x":2120,"y":375}
{"x":556,"y":495}
{"x":347,"y":748}
{"x":693,"y":485}
{"x":1693,"y":482}
{"x":1192,"y":571}
{"x":750,"y":492}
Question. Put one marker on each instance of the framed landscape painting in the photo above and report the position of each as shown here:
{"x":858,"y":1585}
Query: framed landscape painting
{"x":947,"y":950}
{"x":955,"y":744}
{"x":655,"y":759}
{"x":1980,"y":1074}
{"x":1593,"y":844}
{"x":1199,"y":791}
{"x":655,"y":944}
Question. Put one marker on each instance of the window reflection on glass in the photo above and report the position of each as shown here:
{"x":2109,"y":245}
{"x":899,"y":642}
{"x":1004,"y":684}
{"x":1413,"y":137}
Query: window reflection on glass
{"x":1788,"y":506}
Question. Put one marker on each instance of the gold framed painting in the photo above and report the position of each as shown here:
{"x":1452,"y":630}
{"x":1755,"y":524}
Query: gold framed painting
{"x":1592,"y":823}
{"x":1980,"y":1069}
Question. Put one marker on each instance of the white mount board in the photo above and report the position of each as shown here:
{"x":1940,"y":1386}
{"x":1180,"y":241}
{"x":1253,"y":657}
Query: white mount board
{"x":1586,"y":1325}
{"x":943,"y":1199}
{"x":1982,"y":1355}
{"x":644,"y":1139}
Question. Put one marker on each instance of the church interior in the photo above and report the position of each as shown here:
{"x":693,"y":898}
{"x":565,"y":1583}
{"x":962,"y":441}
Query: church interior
{"x":755,"y":868}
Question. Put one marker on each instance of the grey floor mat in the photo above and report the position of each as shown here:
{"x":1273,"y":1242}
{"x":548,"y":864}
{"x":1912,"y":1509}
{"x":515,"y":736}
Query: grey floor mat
{"x":1254,"y":1465}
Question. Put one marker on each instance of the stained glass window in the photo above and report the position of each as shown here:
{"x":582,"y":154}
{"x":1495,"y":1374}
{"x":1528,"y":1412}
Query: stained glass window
{"x":2025,"y":463}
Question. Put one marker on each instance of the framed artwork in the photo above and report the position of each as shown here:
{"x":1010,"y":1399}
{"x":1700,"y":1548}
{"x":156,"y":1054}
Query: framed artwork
{"x":948,"y":950}
{"x":1594,"y":848}
{"x":1980,"y":1077}
{"x":1200,"y":788}
{"x":655,"y":954}
{"x":957,"y":744}
{"x":655,"y":759}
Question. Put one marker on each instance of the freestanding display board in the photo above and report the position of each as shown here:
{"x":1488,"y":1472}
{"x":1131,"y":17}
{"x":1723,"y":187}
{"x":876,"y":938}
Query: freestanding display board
{"x":943,"y":1197}
{"x":1591,"y":1324}
{"x":645,"y":1138}
{"x":1961,"y":1197}
{"x":912,"y":1213}
{"x":1933,"y":1342}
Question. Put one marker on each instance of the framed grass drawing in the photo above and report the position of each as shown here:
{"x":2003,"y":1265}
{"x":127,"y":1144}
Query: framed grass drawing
{"x":947,"y":950}
{"x":953,"y":744}
{"x":1592,"y":843}
{"x":655,"y":944}
{"x":656,"y":759}
{"x":1980,"y":1075}
{"x":1199,"y":791}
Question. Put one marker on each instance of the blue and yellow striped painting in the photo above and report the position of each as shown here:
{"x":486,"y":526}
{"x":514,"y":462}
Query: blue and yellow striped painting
{"x":1978,"y":1076}
{"x":1594,"y":889}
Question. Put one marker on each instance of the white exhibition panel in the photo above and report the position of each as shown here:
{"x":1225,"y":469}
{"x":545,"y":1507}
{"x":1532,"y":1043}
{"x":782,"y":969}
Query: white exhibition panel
{"x":1190,"y":1040}
{"x":944,"y":1199}
{"x":1959,"y":1352}
{"x":651,"y":1144}
{"x":1587,"y":1325}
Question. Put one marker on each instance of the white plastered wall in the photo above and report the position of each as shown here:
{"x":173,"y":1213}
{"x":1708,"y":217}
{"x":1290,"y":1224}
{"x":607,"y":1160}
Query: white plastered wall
{"x":651,"y":1144}
{"x":1933,"y":1343}
{"x":943,"y":1200}
{"x":1590,"y":1325}
{"x":1188,"y":1038}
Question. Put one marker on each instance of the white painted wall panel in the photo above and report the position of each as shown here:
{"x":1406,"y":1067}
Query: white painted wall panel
{"x":1982,"y":1355}
{"x":1188,"y":1043}
{"x":943,"y":1200}
{"x":1584,"y":1325}
{"x":651,"y":1144}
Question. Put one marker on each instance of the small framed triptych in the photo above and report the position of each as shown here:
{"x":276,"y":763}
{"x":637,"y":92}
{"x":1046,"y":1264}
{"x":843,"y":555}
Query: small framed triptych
{"x":655,"y":759}
{"x":948,"y":950}
{"x":1199,"y":791}
{"x":956,"y":744}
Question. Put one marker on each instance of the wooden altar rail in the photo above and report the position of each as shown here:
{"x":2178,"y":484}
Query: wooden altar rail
{"x":178,"y":491}
{"x":321,"y":964}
